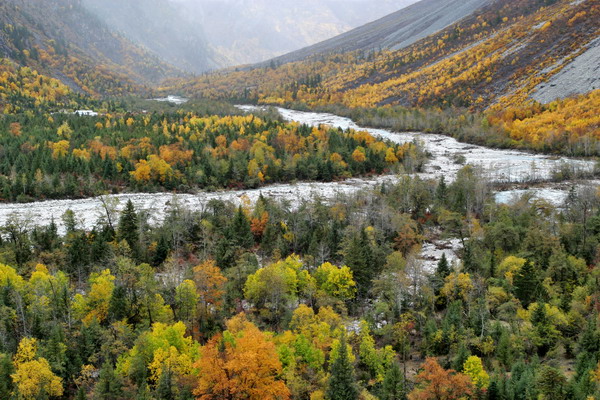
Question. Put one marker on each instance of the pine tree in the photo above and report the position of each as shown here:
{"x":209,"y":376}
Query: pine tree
{"x":441,"y":192}
{"x":393,"y":384}
{"x":359,"y":258}
{"x":493,"y":391}
{"x":128,"y":226}
{"x":6,"y":383}
{"x":527,"y":284}
{"x":164,"y":389}
{"x":81,"y":394}
{"x":162,"y":250}
{"x":118,"y":305}
{"x":342,"y":383}
{"x":240,"y":231}
{"x":109,"y":386}
{"x":443,"y":268}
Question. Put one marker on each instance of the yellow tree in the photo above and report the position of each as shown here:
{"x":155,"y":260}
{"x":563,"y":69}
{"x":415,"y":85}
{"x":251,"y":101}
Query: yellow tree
{"x":96,"y":303}
{"x":33,"y":377}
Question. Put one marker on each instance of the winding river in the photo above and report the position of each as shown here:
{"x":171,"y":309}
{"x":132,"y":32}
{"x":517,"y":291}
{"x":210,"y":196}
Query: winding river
{"x":499,"y":165}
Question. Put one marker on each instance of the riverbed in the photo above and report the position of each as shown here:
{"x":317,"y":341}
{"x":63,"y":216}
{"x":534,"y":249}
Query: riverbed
{"x":447,"y":157}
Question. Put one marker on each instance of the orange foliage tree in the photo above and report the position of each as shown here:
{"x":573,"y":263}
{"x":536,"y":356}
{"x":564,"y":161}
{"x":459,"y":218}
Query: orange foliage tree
{"x":241,"y":364}
{"x":437,"y":383}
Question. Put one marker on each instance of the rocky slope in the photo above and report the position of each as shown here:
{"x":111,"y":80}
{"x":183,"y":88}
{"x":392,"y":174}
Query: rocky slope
{"x":395,"y":31}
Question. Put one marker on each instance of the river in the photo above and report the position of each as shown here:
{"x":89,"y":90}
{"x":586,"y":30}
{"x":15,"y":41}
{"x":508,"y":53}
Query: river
{"x":499,"y":165}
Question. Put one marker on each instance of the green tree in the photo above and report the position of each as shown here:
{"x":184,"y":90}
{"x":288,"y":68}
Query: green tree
{"x":527,"y":284}
{"x":551,"y":383}
{"x":393,"y":387}
{"x":240,"y":232}
{"x":342,"y":383}
{"x":128,"y":227}
{"x":109,"y":386}
{"x":6,"y":369}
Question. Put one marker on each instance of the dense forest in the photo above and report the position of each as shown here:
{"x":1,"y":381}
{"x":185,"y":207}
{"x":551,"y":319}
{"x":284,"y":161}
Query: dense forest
{"x":326,"y":301}
{"x":62,"y":155}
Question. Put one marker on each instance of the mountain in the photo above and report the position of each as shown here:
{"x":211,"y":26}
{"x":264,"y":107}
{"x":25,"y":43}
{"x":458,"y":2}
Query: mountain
{"x":162,"y":27}
{"x":394,"y":31}
{"x":61,"y":39}
{"x":250,"y":31}
{"x":501,"y":54}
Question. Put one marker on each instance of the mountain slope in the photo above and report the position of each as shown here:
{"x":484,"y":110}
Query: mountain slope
{"x":395,"y":31}
{"x":162,"y":27}
{"x":61,"y":39}
{"x":498,"y":55}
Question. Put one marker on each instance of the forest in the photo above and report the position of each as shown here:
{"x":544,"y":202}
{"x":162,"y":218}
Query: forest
{"x":330,"y":300}
{"x":60,"y":155}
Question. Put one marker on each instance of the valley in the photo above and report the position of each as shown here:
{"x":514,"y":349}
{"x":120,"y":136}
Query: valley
{"x":299,"y":200}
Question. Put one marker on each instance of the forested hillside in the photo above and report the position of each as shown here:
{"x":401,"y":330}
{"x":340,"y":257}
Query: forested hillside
{"x":494,"y":59}
{"x":60,"y":39}
{"x":394,"y":31}
{"x":162,"y":27}
{"x":327,"y":301}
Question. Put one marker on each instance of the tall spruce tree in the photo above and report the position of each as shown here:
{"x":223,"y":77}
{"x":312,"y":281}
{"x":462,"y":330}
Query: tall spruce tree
{"x":109,"y":386}
{"x":342,"y":383}
{"x":240,"y":232}
{"x":359,"y":258}
{"x":128,"y":227}
{"x":393,"y":387}
{"x":527,"y":284}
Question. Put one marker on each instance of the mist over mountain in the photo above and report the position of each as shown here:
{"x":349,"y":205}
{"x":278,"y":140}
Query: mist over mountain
{"x":249,"y":31}
{"x":202,"y":35}
{"x":162,"y":27}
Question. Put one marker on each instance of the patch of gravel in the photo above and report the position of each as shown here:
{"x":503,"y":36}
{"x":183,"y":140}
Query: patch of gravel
{"x":579,"y":76}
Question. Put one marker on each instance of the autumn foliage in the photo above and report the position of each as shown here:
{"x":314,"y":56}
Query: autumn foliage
{"x":436,"y":383}
{"x":240,"y":364}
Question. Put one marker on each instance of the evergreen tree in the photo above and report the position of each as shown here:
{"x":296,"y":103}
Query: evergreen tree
{"x":342,"y":383}
{"x":109,"y":386}
{"x":240,"y":232}
{"x":441,"y":272}
{"x":164,"y":389}
{"x":527,"y":284}
{"x":551,"y":383}
{"x":118,"y":305}
{"x":443,"y":267}
{"x":359,"y":258}
{"x":441,"y":192}
{"x":81,"y":394}
{"x":162,"y":250}
{"x":393,"y":387}
{"x":493,"y":391}
{"x":128,"y":227}
{"x":6,"y":383}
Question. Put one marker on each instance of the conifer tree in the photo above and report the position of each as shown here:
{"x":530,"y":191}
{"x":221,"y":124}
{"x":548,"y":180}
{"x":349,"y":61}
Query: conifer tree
{"x":240,"y":231}
{"x":359,"y":258}
{"x":342,"y":383}
{"x":128,"y":226}
{"x":527,"y":284}
{"x":109,"y":385}
{"x":393,"y":384}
